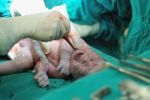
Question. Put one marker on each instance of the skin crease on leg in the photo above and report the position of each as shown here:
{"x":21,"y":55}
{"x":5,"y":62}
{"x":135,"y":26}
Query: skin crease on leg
{"x":82,"y":62}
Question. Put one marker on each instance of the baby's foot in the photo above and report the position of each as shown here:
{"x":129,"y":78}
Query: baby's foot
{"x":42,"y":78}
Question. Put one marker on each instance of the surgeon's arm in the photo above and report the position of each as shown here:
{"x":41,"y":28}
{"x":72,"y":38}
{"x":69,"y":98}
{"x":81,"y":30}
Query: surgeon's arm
{"x":43,"y":26}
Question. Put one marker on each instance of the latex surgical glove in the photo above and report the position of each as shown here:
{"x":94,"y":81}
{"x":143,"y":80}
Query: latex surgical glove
{"x":19,"y":7}
{"x":45,"y":26}
{"x":78,"y":30}
{"x":36,"y":6}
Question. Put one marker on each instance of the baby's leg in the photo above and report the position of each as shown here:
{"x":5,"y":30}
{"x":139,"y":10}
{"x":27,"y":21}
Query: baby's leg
{"x":22,"y":62}
{"x":41,"y":75}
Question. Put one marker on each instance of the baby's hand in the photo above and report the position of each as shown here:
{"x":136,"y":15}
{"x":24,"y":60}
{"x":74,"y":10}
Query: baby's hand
{"x":42,"y":78}
{"x":63,"y":66}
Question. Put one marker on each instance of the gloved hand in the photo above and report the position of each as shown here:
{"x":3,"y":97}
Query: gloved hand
{"x":78,"y":30}
{"x":43,"y":26}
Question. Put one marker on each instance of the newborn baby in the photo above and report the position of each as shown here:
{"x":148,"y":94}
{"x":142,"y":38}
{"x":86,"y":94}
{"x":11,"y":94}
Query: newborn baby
{"x":59,"y":59}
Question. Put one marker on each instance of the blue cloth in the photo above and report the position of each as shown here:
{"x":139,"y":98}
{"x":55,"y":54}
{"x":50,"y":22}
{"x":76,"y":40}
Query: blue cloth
{"x":50,"y":3}
{"x":113,"y":15}
{"x":4,"y":8}
{"x":138,"y":38}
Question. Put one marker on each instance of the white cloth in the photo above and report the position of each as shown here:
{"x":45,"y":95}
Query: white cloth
{"x":26,"y":7}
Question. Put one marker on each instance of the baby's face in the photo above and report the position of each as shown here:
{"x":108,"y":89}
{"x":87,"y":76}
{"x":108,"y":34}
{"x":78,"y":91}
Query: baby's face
{"x":84,"y":62}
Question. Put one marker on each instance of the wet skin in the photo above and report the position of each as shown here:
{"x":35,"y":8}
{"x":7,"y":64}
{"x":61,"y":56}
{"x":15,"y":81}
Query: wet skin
{"x":62,"y":59}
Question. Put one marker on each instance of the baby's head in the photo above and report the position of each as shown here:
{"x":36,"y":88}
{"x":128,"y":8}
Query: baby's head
{"x":84,"y":62}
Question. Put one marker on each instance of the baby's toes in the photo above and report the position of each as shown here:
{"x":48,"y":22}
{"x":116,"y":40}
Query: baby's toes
{"x":41,"y":81}
{"x":44,"y":82}
{"x":36,"y":77}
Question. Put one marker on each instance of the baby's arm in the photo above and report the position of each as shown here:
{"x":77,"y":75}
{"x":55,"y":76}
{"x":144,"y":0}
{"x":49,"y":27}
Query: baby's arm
{"x":41,"y":67}
{"x":41,"y":75}
{"x":65,"y":55}
{"x":41,"y":55}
